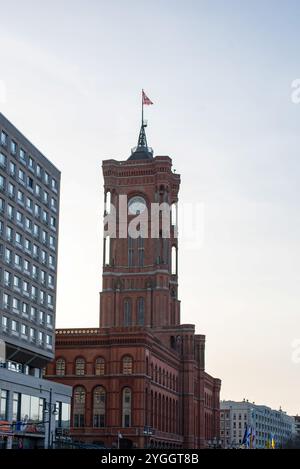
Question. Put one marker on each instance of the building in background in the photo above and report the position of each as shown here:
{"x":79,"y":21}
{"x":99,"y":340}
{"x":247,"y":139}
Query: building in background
{"x":297,"y":429}
{"x":141,"y":374}
{"x":29,"y":216}
{"x":266,"y":423}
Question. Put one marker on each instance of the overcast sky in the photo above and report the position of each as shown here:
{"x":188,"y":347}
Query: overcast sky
{"x":220,"y":74}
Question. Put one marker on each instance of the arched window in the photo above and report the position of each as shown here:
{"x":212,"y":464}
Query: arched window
{"x":99,"y":366}
{"x":174,"y":214}
{"x":141,"y":251}
{"x":60,"y":367}
{"x":174,"y":261}
{"x":140,"y":311}
{"x":130,"y":251}
{"x":99,"y":396}
{"x":127,"y":312}
{"x":79,"y":406}
{"x":126,"y":407}
{"x":80,"y":367}
{"x":107,"y":201}
{"x":127,"y":365}
{"x":107,"y":250}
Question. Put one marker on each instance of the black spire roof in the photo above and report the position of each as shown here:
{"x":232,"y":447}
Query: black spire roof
{"x":142,"y":151}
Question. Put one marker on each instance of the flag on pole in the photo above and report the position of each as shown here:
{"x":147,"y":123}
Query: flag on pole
{"x":146,"y":100}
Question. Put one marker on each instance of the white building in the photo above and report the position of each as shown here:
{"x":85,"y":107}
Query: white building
{"x":235,"y":417}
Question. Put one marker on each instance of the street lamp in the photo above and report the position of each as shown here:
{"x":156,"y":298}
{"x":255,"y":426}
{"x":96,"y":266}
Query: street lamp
{"x":51,"y":409}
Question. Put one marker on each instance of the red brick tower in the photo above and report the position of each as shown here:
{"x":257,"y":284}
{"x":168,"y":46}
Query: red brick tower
{"x":140,"y":275}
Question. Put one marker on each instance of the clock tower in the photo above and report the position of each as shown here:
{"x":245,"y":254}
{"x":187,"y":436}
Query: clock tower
{"x":140,"y":271}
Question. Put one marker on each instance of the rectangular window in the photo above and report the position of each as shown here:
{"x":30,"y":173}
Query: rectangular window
{"x":37,"y":210}
{"x":4,"y":323}
{"x":6,"y":300}
{"x":7,"y":277}
{"x":10,"y":211}
{"x":35,"y":271}
{"x":30,"y":163}
{"x":2,"y":160}
{"x":11,"y":189}
{"x":20,"y":197}
{"x":19,"y":239}
{"x":33,"y":313}
{"x":25,"y":309}
{"x":3,"y":138}
{"x":49,"y":340}
{"x":54,"y":185}
{"x":14,"y":326}
{"x":53,"y":222}
{"x":8,"y":255}
{"x":12,"y":169}
{"x":16,"y":406}
{"x":52,"y":242}
{"x":19,"y":217}
{"x":21,"y":176}
{"x":3,"y":404}
{"x":22,"y":155}
{"x":41,"y":337}
{"x":30,"y":182}
{"x":2,"y":182}
{"x":32,"y":334}
{"x":13,"y":147}
{"x":49,"y":320}
{"x":18,"y":261}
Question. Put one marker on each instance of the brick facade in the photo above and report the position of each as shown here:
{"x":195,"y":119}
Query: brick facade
{"x":149,"y":381}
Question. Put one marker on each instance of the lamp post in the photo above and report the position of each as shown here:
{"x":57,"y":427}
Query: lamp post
{"x":50,"y":408}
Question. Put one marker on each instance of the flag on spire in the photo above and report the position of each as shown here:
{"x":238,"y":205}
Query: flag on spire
{"x":146,"y":100}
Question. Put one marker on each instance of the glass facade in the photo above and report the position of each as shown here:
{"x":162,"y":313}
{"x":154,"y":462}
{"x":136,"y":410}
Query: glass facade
{"x":29,"y":201}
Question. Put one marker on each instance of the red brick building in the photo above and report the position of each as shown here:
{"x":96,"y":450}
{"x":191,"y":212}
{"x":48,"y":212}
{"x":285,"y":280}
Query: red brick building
{"x":142,"y":372}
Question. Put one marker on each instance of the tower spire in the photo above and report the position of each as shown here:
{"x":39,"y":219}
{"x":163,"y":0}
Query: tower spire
{"x":142,"y":151}
{"x":142,"y":141}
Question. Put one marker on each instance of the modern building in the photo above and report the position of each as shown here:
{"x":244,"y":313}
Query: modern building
{"x":29,"y":219}
{"x":266,"y":423}
{"x":141,"y":373}
{"x":297,"y":427}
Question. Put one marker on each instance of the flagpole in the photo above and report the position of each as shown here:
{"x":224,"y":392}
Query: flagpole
{"x":142,"y":109}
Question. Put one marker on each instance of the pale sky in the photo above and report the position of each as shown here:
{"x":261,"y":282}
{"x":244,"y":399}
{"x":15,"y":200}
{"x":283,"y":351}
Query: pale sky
{"x":220,"y":74}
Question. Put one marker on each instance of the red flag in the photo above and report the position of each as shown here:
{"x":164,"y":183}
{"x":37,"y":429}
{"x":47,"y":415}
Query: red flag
{"x":146,"y":100}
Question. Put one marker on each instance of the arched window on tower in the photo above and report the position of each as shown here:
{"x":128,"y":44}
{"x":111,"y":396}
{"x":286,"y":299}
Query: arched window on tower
{"x":79,"y":406}
{"x":99,"y":398}
{"x":126,"y":407}
{"x":141,"y":251}
{"x":99,"y":366}
{"x":107,"y":201}
{"x":130,"y":251}
{"x":80,"y":366}
{"x":107,"y":250}
{"x":60,"y":367}
{"x":127,"y":312}
{"x":141,"y":311}
{"x":127,"y":365}
{"x":174,"y":260}
{"x":174,"y":214}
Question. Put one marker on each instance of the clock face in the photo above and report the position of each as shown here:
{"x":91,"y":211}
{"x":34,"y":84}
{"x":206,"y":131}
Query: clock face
{"x":136,"y":205}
